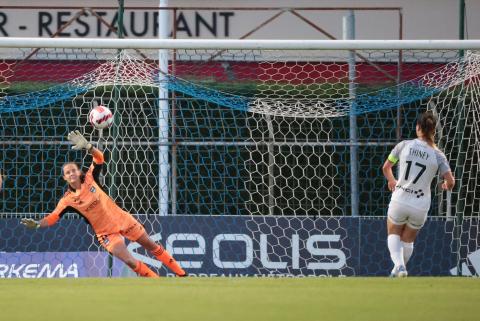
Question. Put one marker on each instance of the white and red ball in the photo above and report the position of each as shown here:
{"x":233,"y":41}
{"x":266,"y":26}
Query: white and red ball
{"x":100,"y":117}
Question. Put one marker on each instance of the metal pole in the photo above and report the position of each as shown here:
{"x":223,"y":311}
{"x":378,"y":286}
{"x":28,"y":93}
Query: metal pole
{"x":113,"y":164}
{"x":459,"y":166}
{"x":163,"y":114}
{"x":271,"y":165}
{"x":459,"y":204}
{"x":116,"y":98}
{"x":349,"y":34}
{"x":238,"y":44}
{"x":102,"y":181}
{"x":399,"y":77}
{"x":398,"y":130}
{"x":173,"y":120}
{"x":461,"y":23}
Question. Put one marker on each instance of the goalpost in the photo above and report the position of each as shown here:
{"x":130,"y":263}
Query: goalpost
{"x":262,"y":136}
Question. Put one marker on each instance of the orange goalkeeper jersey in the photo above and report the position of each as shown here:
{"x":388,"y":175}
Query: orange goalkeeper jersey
{"x":91,"y":202}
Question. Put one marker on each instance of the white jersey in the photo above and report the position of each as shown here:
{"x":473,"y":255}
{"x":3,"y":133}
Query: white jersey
{"x":419,"y":163}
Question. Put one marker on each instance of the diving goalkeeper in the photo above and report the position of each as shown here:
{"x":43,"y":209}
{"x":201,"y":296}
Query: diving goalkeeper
{"x":86,"y":197}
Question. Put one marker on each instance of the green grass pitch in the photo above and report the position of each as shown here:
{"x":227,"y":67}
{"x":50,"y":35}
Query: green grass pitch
{"x":242,"y":299}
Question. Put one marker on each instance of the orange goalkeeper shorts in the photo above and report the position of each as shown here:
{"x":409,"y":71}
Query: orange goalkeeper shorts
{"x":131,"y":229}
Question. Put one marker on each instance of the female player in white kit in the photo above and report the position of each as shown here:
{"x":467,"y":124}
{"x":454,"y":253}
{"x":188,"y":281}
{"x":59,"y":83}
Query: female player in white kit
{"x":419,"y":160}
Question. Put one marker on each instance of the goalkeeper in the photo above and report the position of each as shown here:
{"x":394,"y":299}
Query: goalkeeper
{"x":86,"y":197}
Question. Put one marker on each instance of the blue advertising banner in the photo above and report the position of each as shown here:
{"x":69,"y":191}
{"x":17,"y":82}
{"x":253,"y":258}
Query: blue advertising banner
{"x":56,"y":265}
{"x":237,"y":246}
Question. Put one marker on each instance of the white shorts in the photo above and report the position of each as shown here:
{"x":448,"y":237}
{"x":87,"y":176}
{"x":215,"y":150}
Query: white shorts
{"x":400,"y":214}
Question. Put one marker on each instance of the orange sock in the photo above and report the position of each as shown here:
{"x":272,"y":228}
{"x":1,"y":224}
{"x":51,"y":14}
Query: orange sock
{"x":143,"y":270}
{"x":162,"y":255}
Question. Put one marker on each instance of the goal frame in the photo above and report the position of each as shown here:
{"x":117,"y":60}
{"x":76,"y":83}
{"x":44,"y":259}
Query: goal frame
{"x":247,"y":44}
{"x":100,"y":43}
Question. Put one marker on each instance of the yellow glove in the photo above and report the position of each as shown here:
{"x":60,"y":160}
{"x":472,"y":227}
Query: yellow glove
{"x":29,"y":223}
{"x":79,"y":142}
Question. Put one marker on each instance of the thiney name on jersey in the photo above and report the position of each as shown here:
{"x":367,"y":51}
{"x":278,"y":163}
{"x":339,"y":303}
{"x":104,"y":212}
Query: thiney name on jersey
{"x":418,"y":153}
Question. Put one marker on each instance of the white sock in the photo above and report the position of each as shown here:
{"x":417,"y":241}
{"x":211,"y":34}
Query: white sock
{"x":407,"y":251}
{"x":396,"y":249}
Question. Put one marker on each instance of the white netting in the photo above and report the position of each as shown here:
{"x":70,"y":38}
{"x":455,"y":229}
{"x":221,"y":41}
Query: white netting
{"x":264,"y":134}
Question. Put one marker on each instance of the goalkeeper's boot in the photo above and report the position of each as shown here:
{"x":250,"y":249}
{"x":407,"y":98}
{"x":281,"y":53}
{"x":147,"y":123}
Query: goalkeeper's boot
{"x":182,"y":275}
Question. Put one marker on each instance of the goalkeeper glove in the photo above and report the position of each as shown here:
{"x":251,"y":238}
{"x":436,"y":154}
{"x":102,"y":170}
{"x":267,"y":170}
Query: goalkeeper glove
{"x":79,"y":142}
{"x":28,"y":222}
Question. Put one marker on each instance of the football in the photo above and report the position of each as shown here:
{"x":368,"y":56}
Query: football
{"x":100,"y":117}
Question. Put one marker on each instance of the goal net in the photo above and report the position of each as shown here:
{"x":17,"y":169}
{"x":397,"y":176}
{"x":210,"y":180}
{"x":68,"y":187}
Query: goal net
{"x":255,"y":162}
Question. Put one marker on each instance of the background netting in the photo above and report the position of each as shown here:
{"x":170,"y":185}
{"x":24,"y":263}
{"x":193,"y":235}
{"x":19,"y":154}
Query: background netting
{"x":259,"y":133}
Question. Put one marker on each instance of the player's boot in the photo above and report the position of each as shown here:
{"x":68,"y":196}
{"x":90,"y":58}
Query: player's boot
{"x":399,"y":272}
{"x":393,"y":273}
{"x":402,"y":272}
